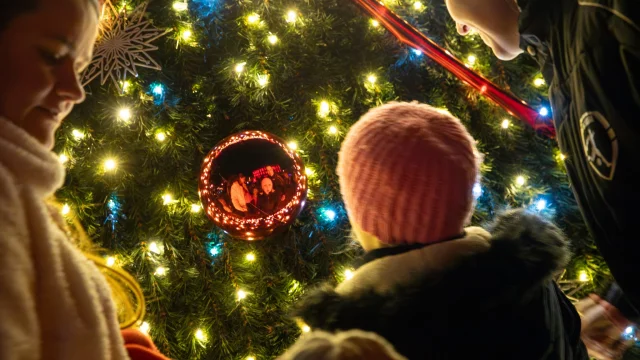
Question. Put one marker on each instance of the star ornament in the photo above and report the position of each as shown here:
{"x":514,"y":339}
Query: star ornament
{"x":123,"y":45}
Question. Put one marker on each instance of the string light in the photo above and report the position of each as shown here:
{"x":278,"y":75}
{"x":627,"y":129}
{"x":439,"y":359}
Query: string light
{"x":306,"y":328}
{"x":563,"y":156}
{"x":125,"y":86}
{"x":505,"y":124}
{"x":375,"y":23}
{"x":161,"y":136}
{"x":63,"y":158}
{"x":309,"y":172}
{"x":544,"y":111}
{"x":417,"y":52}
{"x":329,"y":214}
{"x":200,"y":335}
{"x":251,"y":358}
{"x":583,"y":276}
{"x":520,"y":180}
{"x":541,"y":204}
{"x":263,"y":80}
{"x":537,"y":82}
{"x":471,"y":59}
{"x":110,"y":165}
{"x":292,"y":16}
{"x":239,"y":68}
{"x":293,"y":145}
{"x":195,"y":208}
{"x":477,"y":191}
{"x":324,"y":109}
{"x":241,"y":295}
{"x":155,"y":248}
{"x":160,"y":271}
{"x":145,"y":327}
{"x":333,"y":130}
{"x":251,"y":257}
{"x":111,"y":261}
{"x":186,"y":34}
{"x":273,"y":39}
{"x":253,"y":18}
{"x":418,"y":5}
{"x":180,"y":6}
{"x":77,"y":134}
{"x":124,"y":114}
{"x":348,"y":274}
{"x":372,"y":78}
{"x":167,"y":199}
{"x":66,"y":209}
{"x":214,"y":251}
{"x":157,"y":89}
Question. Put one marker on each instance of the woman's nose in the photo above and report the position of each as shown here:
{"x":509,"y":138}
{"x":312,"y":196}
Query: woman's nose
{"x":463,"y":29}
{"x":69,"y":85}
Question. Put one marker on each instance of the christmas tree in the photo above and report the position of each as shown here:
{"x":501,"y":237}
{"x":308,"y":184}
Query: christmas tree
{"x":304,"y":71}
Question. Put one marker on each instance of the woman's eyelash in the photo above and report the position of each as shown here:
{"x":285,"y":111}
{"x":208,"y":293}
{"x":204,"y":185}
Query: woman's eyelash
{"x":52,"y":59}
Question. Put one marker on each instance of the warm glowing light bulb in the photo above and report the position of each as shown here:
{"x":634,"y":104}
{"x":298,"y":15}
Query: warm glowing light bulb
{"x":263,"y":80}
{"x":195,"y":208}
{"x":418,"y":5}
{"x":293,"y":145}
{"x":110,"y":165}
{"x":145,"y":327}
{"x":253,"y":18}
{"x":348,"y":274}
{"x":472,"y":59}
{"x":292,"y":16}
{"x":306,"y":328}
{"x":583,"y":276}
{"x":563,"y":157}
{"x":372,"y":79}
{"x":309,"y":172}
{"x":124,"y":114}
{"x":161,"y":136}
{"x":63,"y":158}
{"x":180,"y":6}
{"x":154,"y":248}
{"x":324,"y":109}
{"x":160,"y":271}
{"x":66,"y":209}
{"x":186,"y":34}
{"x":333,"y":130}
{"x":538,"y":82}
{"x":77,"y":134}
{"x":111,"y":261}
{"x":125,"y":86}
{"x":240,"y":67}
{"x":272,"y":39}
{"x":200,"y":335}
{"x":241,"y":295}
{"x":250,"y":358}
{"x":167,"y":199}
{"x":375,"y":23}
{"x":506,"y":123}
{"x":251,"y":257}
{"x":520,"y":180}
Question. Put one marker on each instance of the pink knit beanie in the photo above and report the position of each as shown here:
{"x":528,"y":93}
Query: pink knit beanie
{"x":407,"y":173}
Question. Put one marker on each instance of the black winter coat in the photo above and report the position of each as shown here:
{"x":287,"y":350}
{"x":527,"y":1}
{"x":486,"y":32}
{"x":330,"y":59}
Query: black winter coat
{"x":478,"y":297}
{"x":589,"y":53}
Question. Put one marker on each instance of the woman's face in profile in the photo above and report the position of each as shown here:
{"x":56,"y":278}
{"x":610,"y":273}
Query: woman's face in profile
{"x":48,"y":49}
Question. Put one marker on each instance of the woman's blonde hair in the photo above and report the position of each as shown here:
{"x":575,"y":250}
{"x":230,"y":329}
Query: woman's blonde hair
{"x":348,"y":345}
{"x":126,"y":292}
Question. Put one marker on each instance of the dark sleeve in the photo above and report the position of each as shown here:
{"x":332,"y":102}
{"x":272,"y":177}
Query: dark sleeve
{"x":597,"y":114}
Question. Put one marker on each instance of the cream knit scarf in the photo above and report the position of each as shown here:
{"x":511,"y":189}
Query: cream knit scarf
{"x":54,"y":303}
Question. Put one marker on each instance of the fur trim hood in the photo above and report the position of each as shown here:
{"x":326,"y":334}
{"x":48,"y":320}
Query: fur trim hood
{"x":490,"y":290}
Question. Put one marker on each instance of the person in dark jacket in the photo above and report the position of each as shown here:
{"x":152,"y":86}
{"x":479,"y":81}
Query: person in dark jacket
{"x":589,"y":54}
{"x":432,"y":288}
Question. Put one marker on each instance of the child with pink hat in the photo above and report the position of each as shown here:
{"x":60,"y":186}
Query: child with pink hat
{"x":434,"y":288}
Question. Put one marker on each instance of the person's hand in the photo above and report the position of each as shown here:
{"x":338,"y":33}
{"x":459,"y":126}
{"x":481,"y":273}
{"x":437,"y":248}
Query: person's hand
{"x":602,"y":327}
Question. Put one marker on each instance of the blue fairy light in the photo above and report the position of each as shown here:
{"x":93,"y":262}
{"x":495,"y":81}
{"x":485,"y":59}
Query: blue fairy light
{"x":157,"y":89}
{"x":541,"y":204}
{"x":113,"y":211}
{"x":544,"y":111}
{"x":329,"y":214}
{"x":417,"y":52}
{"x":477,"y":191}
{"x":214,"y":248}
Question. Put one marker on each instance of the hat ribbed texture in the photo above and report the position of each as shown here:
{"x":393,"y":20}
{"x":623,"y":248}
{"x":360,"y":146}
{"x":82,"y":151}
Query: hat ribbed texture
{"x":407,"y":172}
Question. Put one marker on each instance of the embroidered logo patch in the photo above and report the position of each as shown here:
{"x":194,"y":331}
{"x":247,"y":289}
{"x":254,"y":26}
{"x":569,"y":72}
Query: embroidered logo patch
{"x":599,"y":143}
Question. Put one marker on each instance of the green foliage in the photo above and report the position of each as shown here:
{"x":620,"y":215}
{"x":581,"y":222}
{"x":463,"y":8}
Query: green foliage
{"x":326,"y":54}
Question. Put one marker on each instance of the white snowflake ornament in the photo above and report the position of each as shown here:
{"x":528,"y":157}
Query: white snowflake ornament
{"x":123,"y":45}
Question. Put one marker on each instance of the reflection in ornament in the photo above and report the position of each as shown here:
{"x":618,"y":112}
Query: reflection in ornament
{"x":236,"y":219}
{"x":123,"y":45}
